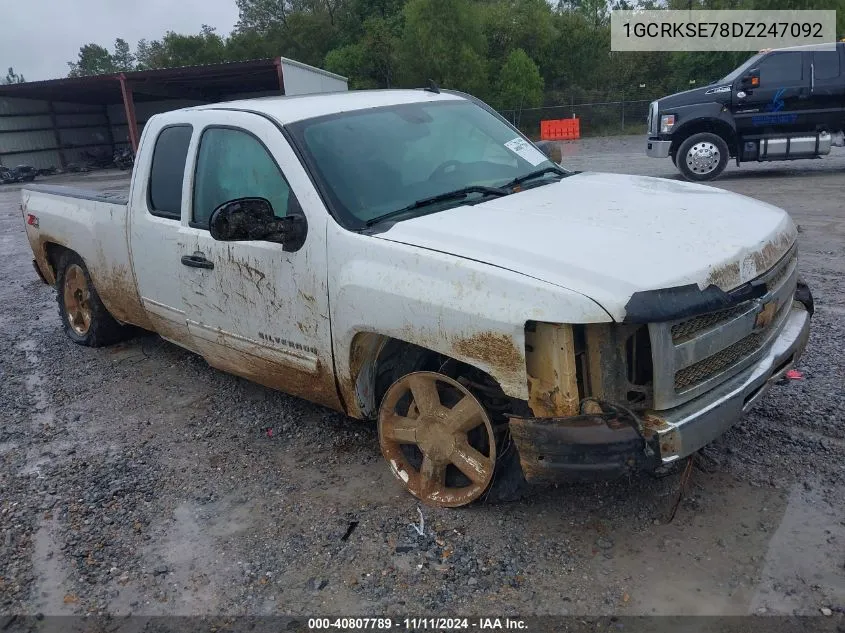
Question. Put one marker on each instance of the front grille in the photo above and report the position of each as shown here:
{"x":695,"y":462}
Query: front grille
{"x":693,"y":354}
{"x":685,"y":330}
{"x":705,"y":369}
{"x":712,"y":365}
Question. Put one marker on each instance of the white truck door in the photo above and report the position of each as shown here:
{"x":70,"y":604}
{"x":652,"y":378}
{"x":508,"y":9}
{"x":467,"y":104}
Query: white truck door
{"x":156,"y":240}
{"x":252,"y":308}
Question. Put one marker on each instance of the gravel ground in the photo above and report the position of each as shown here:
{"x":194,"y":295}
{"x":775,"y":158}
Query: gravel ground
{"x":135,"y":479}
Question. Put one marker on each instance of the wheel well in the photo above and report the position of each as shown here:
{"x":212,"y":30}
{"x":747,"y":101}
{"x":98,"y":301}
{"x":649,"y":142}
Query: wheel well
{"x":53,"y":253}
{"x":714,"y":126}
{"x":376,"y":360}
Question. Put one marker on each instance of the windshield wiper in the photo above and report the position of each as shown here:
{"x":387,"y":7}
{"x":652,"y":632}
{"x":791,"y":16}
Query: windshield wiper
{"x":534,"y":174}
{"x":458,"y":194}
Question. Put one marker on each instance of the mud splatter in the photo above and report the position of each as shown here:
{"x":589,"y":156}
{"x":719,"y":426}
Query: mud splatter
{"x":498,"y":350}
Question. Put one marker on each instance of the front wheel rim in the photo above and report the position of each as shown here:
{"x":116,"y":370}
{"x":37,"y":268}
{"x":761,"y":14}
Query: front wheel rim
{"x":77,"y":299}
{"x":450,"y":439}
{"x":703,"y":158}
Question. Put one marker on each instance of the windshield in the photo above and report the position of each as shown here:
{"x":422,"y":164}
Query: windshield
{"x":370,"y":163}
{"x":730,"y":77}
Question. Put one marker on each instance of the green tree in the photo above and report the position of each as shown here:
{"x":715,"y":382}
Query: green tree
{"x":382,"y":40}
{"x":93,"y":60}
{"x":12,"y":77}
{"x":308,"y":36}
{"x":373,"y":61}
{"x":520,"y":84}
{"x":516,"y":53}
{"x":578,"y":59}
{"x":122,"y":58}
{"x":175,"y":49}
{"x":443,"y":40}
{"x":262,"y":15}
{"x":525,"y":24}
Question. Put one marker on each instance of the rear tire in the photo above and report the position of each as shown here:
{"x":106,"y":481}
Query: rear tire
{"x":85,"y":319}
{"x":702,"y":157}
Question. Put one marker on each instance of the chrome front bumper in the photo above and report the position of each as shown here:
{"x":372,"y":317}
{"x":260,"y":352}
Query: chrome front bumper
{"x":658,"y":149}
{"x":685,"y":429}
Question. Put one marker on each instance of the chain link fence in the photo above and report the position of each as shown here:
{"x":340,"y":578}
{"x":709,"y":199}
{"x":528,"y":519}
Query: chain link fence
{"x":596,"y":119}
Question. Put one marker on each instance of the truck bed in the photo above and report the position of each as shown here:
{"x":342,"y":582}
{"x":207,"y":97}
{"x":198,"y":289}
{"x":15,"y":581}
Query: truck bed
{"x":82,"y":194}
{"x":92,"y":224}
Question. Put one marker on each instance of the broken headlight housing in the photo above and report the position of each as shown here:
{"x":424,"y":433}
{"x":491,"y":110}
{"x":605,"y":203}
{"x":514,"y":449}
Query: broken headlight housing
{"x":567,"y":363}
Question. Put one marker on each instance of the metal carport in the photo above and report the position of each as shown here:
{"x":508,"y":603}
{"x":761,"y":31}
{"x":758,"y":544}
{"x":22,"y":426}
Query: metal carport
{"x":50,"y":123}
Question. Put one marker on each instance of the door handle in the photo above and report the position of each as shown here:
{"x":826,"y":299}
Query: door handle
{"x":197,"y":261}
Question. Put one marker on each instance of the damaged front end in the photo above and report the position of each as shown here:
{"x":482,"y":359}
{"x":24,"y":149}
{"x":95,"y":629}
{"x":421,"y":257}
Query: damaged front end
{"x":585,"y":385}
{"x":600,"y":445}
{"x":607,"y":399}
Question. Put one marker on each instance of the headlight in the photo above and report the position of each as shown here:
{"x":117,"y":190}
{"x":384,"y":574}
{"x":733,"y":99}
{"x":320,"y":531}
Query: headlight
{"x":667,"y":122}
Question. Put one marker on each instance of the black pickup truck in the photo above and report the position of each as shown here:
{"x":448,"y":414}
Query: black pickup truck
{"x":781,"y":104}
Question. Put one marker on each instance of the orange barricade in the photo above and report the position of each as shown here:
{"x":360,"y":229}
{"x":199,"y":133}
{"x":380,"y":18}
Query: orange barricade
{"x":560,"y":129}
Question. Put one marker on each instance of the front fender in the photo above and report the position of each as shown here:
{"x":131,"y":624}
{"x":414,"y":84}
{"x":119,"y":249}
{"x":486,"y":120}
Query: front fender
{"x":698,"y":117}
{"x":464,"y":309}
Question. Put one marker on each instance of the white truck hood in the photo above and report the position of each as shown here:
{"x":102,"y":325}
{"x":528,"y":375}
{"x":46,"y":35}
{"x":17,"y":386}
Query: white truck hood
{"x":608,"y":236}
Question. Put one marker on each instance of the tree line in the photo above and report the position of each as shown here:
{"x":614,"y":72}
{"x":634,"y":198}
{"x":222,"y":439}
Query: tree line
{"x":512,"y":53}
{"x":12,"y":78}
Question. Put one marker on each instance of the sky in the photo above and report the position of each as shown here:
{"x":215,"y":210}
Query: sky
{"x":39,"y":37}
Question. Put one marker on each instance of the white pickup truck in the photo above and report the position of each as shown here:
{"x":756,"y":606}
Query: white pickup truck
{"x":408,"y":256}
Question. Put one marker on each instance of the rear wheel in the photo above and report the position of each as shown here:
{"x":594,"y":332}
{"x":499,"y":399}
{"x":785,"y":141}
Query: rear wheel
{"x":84,"y":317}
{"x":702,"y":156}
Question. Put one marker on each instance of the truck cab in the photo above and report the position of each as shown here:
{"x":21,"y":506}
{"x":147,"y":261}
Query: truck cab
{"x":781,"y":104}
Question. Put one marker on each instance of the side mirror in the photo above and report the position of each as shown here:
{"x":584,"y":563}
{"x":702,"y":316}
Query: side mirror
{"x":252,"y":219}
{"x":750,"y":80}
{"x":551,"y":150}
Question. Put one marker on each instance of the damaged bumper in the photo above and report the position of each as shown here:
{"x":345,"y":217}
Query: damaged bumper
{"x":556,"y":449}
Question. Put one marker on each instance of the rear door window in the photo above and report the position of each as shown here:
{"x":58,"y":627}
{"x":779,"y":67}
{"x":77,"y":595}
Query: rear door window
{"x":826,"y":64}
{"x":168,"y":171}
{"x":781,"y":68}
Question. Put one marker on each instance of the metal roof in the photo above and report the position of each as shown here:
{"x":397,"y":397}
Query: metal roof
{"x":211,"y":82}
{"x":299,"y":107}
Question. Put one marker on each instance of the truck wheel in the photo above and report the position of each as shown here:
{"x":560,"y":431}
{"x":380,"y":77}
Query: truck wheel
{"x":437,"y":438}
{"x":702,"y":156}
{"x":84,"y":317}
{"x":443,"y":445}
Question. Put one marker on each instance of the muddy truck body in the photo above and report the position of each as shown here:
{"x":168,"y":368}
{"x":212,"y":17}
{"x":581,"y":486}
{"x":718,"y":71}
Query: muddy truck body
{"x":781,"y":104}
{"x":409,"y":257}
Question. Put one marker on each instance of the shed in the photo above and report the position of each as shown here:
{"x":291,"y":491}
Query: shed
{"x":53,"y":123}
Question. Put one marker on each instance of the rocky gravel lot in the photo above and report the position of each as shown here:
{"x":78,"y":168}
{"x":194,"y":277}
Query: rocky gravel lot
{"x":135,"y":479}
